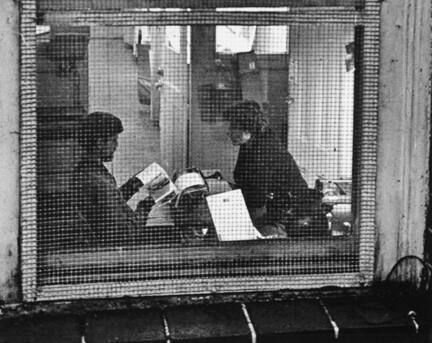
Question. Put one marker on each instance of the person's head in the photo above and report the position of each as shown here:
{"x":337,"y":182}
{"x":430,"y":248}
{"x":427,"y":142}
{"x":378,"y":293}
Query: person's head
{"x":246,"y":120}
{"x":100,"y":131}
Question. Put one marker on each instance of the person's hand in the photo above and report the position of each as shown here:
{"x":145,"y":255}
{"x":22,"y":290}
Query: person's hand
{"x":131,"y":186}
{"x":273,"y":231}
{"x":258,"y":213}
{"x":134,"y":183}
{"x":145,"y":206}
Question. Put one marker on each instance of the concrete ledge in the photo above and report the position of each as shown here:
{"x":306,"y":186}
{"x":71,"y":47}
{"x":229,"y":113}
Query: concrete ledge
{"x":356,"y":319}
{"x":294,"y":321}
{"x":42,"y":329}
{"x":125,"y":327}
{"x":370,"y":320}
{"x":212,"y":323}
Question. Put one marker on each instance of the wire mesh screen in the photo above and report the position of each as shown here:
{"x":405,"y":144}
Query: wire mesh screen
{"x":168,"y":154}
{"x":68,"y":5}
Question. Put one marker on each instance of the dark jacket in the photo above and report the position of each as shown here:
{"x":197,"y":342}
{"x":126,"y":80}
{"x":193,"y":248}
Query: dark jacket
{"x":267,"y":174}
{"x":104,"y":206}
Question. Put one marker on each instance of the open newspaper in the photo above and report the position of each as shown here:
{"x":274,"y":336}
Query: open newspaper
{"x":161,"y":187}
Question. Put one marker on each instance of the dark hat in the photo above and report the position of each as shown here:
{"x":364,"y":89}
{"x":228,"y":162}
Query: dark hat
{"x":99,"y":125}
{"x":102,"y":124}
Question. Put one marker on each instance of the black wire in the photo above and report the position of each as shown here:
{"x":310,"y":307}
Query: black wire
{"x":423,"y":262}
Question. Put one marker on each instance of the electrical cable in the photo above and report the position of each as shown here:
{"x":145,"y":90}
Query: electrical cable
{"x":425,"y":264}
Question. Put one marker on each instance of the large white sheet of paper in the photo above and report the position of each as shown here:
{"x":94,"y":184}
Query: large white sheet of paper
{"x":231,"y":217}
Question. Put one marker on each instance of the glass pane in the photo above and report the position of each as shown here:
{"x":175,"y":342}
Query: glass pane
{"x":186,"y":151}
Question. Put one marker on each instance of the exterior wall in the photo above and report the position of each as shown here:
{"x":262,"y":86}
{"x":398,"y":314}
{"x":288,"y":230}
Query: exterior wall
{"x":9,"y":150}
{"x":403,"y":137}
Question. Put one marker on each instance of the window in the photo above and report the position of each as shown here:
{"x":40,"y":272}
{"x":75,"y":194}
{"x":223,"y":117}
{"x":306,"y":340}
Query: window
{"x":265,"y":117}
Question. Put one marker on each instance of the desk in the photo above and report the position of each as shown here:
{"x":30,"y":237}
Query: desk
{"x":168,"y":225}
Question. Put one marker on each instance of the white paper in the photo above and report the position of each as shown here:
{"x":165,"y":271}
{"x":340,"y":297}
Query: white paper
{"x":151,"y":173}
{"x":231,"y":217}
{"x":168,"y":191}
{"x":190,"y":180}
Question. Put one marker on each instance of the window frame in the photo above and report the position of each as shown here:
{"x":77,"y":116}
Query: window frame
{"x":368,"y":18}
{"x":65,"y":5}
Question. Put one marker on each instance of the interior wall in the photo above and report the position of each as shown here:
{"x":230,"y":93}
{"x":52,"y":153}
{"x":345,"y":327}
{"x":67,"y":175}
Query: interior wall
{"x":62,"y":97}
{"x":173,"y":117}
{"x":113,"y":78}
{"x":210,"y":145}
{"x":320,"y":115}
{"x":157,"y":34}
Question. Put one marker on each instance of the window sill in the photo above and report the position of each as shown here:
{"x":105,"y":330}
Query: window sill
{"x":223,"y":259}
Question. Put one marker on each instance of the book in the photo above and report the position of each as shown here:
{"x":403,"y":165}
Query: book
{"x":190,"y":181}
{"x":231,"y":217}
{"x":157,"y":182}
{"x":162,"y":188}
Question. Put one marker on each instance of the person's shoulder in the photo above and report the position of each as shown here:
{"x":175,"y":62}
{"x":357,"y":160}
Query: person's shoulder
{"x":84,"y":167}
{"x":88,"y":170}
{"x":264,"y":145}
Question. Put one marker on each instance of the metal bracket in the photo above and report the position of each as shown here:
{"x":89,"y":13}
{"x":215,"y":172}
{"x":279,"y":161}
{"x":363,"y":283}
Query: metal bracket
{"x":332,"y":322}
{"x":249,"y":323}
{"x":166,"y":329}
{"x":412,"y":315}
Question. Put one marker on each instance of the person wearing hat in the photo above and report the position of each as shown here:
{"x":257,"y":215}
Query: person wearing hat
{"x":98,"y":201}
{"x":276,"y":194}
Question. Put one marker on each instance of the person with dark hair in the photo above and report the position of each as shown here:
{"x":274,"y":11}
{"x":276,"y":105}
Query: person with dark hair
{"x":98,"y":200}
{"x":276,"y":194}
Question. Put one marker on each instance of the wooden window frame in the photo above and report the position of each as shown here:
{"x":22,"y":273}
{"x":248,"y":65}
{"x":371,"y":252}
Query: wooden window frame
{"x":31,"y":288}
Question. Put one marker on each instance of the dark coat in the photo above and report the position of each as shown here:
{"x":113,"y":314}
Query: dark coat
{"x":268,"y":175}
{"x":104,"y":206}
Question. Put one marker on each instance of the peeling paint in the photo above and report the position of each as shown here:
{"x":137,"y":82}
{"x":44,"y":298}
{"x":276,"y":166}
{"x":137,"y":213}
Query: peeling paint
{"x":9,"y":150}
{"x":403,"y":139}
